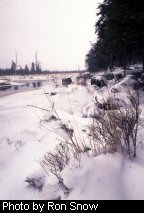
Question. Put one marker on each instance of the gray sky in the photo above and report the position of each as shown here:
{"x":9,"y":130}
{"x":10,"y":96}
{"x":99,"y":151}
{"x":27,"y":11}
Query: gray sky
{"x":60,"y":30}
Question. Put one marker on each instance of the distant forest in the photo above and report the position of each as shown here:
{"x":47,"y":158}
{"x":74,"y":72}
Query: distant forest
{"x":120,"y":31}
{"x":15,"y":69}
{"x":33,"y":70}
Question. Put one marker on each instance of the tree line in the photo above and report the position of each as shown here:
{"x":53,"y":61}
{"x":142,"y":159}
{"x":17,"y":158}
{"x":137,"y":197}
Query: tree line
{"x":120,"y":31}
{"x":17,"y":69}
{"x":35,"y":67}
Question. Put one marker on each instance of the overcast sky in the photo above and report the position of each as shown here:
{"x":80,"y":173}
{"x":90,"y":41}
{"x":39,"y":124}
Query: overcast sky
{"x":60,"y":31}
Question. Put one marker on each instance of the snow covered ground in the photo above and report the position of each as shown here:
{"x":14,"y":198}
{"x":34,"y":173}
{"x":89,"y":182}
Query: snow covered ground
{"x":25,"y":138}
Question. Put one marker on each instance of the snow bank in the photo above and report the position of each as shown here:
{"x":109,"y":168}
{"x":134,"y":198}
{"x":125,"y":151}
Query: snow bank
{"x":27,"y":134}
{"x":99,"y":178}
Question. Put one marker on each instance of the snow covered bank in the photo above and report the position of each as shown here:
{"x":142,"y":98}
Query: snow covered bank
{"x":25,"y":138}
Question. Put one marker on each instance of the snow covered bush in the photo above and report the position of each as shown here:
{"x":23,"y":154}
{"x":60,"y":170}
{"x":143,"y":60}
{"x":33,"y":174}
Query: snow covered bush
{"x":103,"y":134}
{"x":109,"y":76}
{"x":113,"y":128}
{"x":82,"y":79}
{"x":117,"y":128}
{"x":118,"y":76}
{"x":66,"y":81}
{"x":98,"y":81}
{"x":129,"y":121}
{"x":55,"y":162}
{"x":36,"y":183}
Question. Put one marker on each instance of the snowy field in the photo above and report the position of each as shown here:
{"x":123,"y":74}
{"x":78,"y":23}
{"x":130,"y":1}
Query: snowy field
{"x":27,"y":132}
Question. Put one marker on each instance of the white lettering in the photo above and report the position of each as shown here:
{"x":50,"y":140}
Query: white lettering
{"x":37,"y":207}
{"x":5,"y":204}
{"x":85,"y":206}
{"x":10,"y":206}
{"x":72,"y":204}
{"x":52,"y":206}
{"x":93,"y":206}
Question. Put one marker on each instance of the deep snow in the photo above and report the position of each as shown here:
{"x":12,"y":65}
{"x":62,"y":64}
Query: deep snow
{"x":24,"y":139}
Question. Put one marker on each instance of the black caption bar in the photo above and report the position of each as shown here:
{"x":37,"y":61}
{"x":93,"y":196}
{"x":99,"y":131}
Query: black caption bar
{"x":71,"y":206}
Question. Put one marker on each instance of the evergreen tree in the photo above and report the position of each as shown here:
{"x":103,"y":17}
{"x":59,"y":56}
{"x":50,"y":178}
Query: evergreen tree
{"x":13,"y":67}
{"x":26,"y":68}
{"x":97,"y":59}
{"x":33,"y":67}
{"x":38,"y":68}
{"x":120,"y":30}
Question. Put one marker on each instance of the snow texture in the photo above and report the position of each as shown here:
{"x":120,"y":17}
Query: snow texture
{"x":27,"y":134}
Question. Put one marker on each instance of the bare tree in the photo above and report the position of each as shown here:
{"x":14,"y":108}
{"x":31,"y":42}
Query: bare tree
{"x":37,"y":63}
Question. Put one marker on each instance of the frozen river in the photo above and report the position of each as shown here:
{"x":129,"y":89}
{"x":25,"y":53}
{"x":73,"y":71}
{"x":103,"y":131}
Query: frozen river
{"x":21,"y":86}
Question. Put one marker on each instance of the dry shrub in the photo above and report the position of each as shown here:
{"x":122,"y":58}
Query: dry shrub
{"x":129,"y":122}
{"x":103,"y":135}
{"x":117,"y":129}
{"x":113,"y":131}
{"x":55,"y":162}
